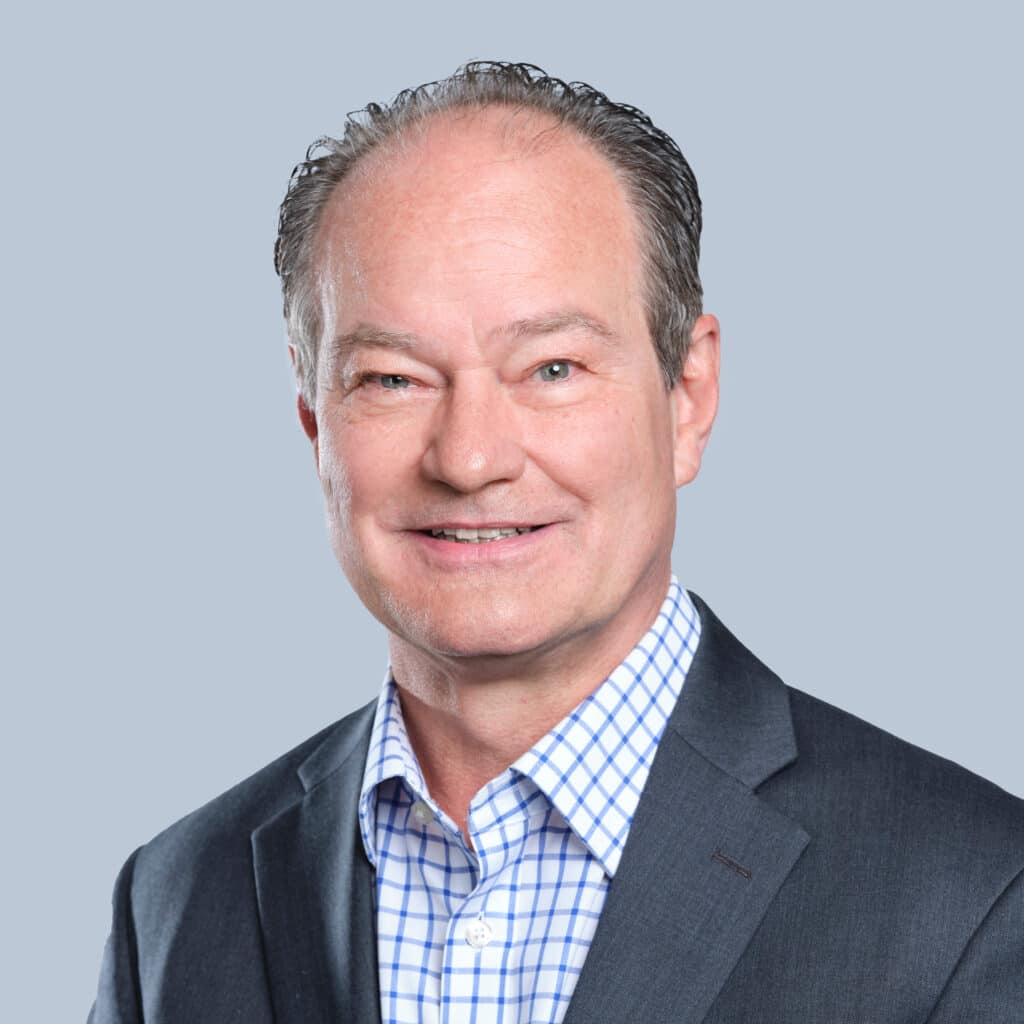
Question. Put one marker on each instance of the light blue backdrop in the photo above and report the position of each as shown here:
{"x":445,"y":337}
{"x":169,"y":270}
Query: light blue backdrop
{"x":173,"y":617}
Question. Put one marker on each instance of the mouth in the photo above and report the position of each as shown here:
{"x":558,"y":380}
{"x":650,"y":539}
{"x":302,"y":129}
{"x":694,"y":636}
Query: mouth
{"x":477,"y":535}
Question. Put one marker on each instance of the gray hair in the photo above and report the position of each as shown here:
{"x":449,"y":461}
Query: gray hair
{"x":658,"y":181}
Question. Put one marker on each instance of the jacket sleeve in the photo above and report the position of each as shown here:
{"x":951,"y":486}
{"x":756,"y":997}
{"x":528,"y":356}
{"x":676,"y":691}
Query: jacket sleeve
{"x":987,"y":986}
{"x":118,"y":1000}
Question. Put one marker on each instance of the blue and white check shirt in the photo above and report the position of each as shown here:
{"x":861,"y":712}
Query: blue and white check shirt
{"x":498,"y":935}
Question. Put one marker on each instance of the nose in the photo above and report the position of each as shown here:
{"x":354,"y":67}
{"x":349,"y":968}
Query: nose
{"x":475,"y":438}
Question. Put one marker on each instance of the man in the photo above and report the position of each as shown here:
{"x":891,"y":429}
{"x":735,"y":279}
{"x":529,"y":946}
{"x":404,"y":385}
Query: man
{"x":578,"y":798}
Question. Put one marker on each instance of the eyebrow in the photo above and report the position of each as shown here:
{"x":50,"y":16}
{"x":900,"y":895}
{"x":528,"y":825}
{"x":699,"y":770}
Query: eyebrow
{"x":369,"y":336}
{"x":553,"y":323}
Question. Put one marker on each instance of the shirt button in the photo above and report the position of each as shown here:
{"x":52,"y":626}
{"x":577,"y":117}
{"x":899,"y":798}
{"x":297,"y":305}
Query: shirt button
{"x":478,"y":933}
{"x":422,"y":812}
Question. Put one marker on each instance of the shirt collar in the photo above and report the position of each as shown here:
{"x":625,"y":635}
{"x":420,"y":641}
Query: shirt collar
{"x":390,"y":756}
{"x":592,"y":766}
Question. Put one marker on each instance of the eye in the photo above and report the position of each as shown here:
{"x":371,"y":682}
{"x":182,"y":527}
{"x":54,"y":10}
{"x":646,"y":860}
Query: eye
{"x":390,"y":381}
{"x":558,"y":370}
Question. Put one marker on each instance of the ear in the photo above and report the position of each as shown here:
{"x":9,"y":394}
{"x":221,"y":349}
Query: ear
{"x":695,"y":398}
{"x":307,"y":417}
{"x":308,"y":420}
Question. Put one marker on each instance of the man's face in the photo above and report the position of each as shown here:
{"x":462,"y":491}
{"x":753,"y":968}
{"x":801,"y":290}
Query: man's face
{"x":486,"y":367}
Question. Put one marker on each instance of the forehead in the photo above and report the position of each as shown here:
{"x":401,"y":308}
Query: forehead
{"x":474,"y":202}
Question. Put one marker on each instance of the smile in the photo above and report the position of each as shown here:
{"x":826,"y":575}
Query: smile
{"x":483,"y":535}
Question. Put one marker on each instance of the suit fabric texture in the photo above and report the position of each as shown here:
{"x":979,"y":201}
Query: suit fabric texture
{"x":787,"y":863}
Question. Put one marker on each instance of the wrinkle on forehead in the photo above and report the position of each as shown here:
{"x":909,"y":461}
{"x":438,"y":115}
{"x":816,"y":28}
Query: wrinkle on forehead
{"x":554,"y":322}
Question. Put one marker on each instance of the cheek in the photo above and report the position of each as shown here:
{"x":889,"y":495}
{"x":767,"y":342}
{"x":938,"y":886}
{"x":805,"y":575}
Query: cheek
{"x":336,"y":483}
{"x":363,"y":464}
{"x":618,"y":447}
{"x":570,"y":448}
{"x":344,"y":472}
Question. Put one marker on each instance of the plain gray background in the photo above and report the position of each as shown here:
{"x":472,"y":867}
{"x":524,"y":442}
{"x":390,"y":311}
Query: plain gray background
{"x":173,"y":618}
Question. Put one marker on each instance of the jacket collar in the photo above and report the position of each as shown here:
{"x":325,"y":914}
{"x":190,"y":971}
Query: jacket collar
{"x":734,"y":710}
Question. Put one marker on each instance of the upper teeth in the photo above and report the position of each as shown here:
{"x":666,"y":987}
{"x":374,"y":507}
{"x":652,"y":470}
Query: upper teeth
{"x":476,"y":536}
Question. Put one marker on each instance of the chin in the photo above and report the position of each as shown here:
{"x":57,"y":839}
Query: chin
{"x":469,"y":628}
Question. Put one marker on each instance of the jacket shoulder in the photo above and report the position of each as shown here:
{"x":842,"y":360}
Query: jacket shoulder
{"x":218,"y":833}
{"x":185,"y":904}
{"x":886,"y":799}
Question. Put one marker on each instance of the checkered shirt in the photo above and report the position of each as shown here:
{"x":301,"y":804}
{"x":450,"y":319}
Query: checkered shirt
{"x":498,"y":935}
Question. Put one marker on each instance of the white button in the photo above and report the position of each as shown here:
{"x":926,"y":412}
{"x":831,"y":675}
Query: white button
{"x":478,"y":933}
{"x":422,"y":812}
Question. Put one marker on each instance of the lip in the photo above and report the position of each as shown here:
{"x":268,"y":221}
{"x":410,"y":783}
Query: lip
{"x":490,"y":524}
{"x":452,"y":554}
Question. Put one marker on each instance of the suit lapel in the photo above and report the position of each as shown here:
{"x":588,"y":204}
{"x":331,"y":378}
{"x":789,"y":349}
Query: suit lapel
{"x":705,"y":855}
{"x":315,"y":891}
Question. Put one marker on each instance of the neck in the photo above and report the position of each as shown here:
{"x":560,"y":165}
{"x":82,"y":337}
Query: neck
{"x":468,"y":719}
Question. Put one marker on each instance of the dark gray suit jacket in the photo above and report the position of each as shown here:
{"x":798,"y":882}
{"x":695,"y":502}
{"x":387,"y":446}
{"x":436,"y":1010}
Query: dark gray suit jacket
{"x":787,"y":863}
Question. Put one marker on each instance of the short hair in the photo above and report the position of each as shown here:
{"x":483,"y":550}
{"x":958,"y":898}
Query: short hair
{"x":658,"y":182}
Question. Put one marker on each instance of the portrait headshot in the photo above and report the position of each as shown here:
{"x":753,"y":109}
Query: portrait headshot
{"x":526,"y":528}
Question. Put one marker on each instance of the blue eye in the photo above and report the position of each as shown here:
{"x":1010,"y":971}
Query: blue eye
{"x":393,"y":381}
{"x":554,"y":371}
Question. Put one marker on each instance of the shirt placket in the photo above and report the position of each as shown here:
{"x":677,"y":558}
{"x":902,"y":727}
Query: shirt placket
{"x":476,"y":983}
